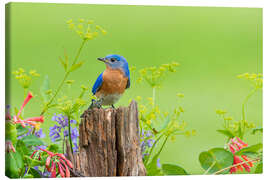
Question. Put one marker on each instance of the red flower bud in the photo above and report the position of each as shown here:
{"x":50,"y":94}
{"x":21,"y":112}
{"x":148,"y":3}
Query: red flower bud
{"x":64,"y":158}
{"x":246,"y":159}
{"x":60,"y":169}
{"x":47,"y":164}
{"x":237,"y":160}
{"x":243,"y":143}
{"x":33,"y":154}
{"x":67,"y":170}
{"x":29,"y":96}
{"x":49,"y":152}
{"x":232,"y":170}
{"x":36,"y":119}
{"x":53,"y":170}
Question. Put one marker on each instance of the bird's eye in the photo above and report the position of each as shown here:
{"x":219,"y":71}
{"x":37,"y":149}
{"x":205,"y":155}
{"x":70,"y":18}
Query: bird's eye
{"x":113,"y":59}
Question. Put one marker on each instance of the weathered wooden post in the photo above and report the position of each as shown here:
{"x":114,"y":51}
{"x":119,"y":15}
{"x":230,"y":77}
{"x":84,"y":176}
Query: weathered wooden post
{"x":109,"y":143}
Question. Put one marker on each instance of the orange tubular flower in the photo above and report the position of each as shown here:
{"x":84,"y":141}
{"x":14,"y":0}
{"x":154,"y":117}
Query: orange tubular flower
{"x":30,"y":121}
{"x":59,"y":161}
{"x":235,"y":145}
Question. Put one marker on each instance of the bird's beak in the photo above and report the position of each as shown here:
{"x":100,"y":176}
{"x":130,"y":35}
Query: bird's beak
{"x":102,"y":59}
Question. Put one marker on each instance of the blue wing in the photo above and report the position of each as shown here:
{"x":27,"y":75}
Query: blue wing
{"x":97,"y":84}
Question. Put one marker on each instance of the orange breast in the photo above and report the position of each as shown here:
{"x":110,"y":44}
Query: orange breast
{"x":114,"y":82}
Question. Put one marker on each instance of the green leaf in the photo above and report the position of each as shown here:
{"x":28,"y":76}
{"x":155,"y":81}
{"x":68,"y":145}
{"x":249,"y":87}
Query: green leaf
{"x":28,"y":176}
{"x":33,"y":162}
{"x":76,"y":66}
{"x":226,"y":132}
{"x":44,"y":88}
{"x":34,"y":173}
{"x":21,"y":147}
{"x":11,"y":132}
{"x":152,"y":169}
{"x":171,"y":169}
{"x":32,"y":140}
{"x":259,"y":168}
{"x":165,"y":124}
{"x":53,"y":148}
{"x":249,"y":149}
{"x":21,"y":130}
{"x":14,"y":164}
{"x":216,"y":159}
{"x":63,"y":63}
{"x":258,"y":129}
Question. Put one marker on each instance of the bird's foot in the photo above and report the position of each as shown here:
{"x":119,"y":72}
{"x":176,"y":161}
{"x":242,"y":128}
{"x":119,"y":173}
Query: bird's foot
{"x":95,"y":104}
{"x":113,"y":106}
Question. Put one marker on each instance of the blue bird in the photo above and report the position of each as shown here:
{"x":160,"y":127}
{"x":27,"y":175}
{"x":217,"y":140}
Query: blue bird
{"x":112,"y":83}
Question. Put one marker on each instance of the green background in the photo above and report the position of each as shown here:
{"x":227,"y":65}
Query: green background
{"x":212,"y":44}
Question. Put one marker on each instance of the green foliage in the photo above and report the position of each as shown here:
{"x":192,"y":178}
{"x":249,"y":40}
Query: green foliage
{"x":14,"y":164}
{"x":258,"y":129}
{"x":10,"y":132}
{"x":45,"y":90}
{"x":22,"y":148}
{"x":259,"y":168}
{"x":53,"y":148}
{"x":226,"y":132}
{"x":32,"y":140}
{"x":215,"y":159}
{"x":152,"y":169}
{"x":33,"y":173}
{"x":172,"y":169}
{"x":250,"y":149}
{"x":162,"y":124}
{"x":21,"y":130}
{"x":240,"y":127}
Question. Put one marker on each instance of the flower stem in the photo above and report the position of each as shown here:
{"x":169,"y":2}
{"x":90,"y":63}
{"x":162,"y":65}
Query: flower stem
{"x":46,"y":107}
{"x":212,"y":165}
{"x":69,"y":134}
{"x":235,"y":165}
{"x":154,"y":95}
{"x":152,"y":148}
{"x":244,"y":113}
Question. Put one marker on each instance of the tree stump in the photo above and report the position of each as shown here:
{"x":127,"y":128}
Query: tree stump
{"x":109,"y":143}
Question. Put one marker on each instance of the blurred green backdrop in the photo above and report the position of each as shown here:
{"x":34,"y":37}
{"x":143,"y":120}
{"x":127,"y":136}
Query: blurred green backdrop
{"x":212,"y":44}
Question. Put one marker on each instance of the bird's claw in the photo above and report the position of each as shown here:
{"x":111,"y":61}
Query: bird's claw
{"x":95,"y":104}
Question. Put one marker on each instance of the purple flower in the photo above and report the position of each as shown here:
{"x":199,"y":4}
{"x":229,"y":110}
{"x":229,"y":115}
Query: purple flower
{"x":150,"y":142}
{"x":40,"y":133}
{"x":158,"y":163}
{"x":45,"y":174}
{"x":146,"y":142}
{"x":54,"y":133}
{"x":62,"y":127}
{"x":145,"y":154}
{"x":41,"y":146}
{"x":26,"y":134}
{"x":148,"y":134}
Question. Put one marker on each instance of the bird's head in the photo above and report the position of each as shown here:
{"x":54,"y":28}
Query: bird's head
{"x":115,"y":61}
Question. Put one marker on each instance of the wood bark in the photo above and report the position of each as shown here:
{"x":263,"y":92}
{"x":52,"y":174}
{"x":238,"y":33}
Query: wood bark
{"x":109,"y":143}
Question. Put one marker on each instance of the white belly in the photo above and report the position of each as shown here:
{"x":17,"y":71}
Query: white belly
{"x":109,"y":99}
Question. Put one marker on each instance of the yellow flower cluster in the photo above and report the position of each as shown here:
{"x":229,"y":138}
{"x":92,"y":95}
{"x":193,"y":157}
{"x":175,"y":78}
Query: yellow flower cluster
{"x":255,"y":79}
{"x":24,"y":78}
{"x":86,"y":28}
{"x":155,"y":75}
